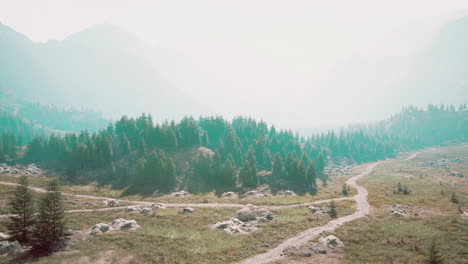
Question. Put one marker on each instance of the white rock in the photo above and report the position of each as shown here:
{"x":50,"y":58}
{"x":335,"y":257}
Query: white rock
{"x":330,"y":241}
{"x":9,"y":247}
{"x":187,"y":210}
{"x":123,"y":224}
{"x":157,"y":206}
{"x":228,"y":194}
{"x":132,"y":209}
{"x":99,"y":229}
{"x":146,"y":211}
{"x":181,"y":194}
{"x":111,"y":202}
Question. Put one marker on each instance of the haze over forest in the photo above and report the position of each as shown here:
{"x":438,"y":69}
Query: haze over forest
{"x":301,"y":66}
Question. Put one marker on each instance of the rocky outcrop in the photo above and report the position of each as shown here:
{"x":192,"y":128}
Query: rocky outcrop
{"x":7,"y":247}
{"x":20,"y":169}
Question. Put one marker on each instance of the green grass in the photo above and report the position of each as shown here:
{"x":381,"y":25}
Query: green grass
{"x":385,"y":239}
{"x":169,"y":237}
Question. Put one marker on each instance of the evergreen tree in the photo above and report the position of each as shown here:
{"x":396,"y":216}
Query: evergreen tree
{"x":311,"y":179}
{"x":454,"y":198}
{"x":344,"y":191}
{"x":434,"y":254}
{"x":22,"y":207}
{"x":333,"y":212}
{"x":50,"y":222}
{"x":278,"y":169}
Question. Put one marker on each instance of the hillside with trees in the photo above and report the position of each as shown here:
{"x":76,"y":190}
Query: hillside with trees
{"x":143,"y":156}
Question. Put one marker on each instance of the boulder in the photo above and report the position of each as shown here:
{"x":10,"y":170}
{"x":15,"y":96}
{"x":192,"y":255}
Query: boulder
{"x":68,"y":232}
{"x":465,"y":215}
{"x":318,"y":210}
{"x":181,"y":194}
{"x":99,"y":229}
{"x":286,"y":193}
{"x":146,"y":211}
{"x":7,"y":247}
{"x":330,"y":241}
{"x":186,"y":210}
{"x":111,"y":202}
{"x":399,"y":213}
{"x":157,"y":206}
{"x":250,"y":213}
{"x":254,"y":194}
{"x":228,"y":194}
{"x":123,"y":224}
{"x":132,"y":209}
{"x":4,"y":236}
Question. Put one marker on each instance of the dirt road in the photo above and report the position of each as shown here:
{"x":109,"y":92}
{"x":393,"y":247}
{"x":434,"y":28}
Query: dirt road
{"x":363,"y":208}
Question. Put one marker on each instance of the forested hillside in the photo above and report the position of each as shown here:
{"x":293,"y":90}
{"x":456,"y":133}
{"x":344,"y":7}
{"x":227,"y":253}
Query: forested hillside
{"x":50,"y":116}
{"x":242,"y":153}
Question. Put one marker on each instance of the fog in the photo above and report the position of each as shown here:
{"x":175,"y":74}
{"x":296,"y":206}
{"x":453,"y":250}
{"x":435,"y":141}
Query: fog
{"x":274,"y":60}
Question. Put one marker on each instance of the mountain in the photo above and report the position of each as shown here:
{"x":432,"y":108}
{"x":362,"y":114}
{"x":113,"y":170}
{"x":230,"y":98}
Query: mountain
{"x":425,"y":63}
{"x":103,"y":68}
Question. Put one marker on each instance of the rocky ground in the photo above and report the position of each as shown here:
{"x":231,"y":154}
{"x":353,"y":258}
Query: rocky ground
{"x":20,"y":169}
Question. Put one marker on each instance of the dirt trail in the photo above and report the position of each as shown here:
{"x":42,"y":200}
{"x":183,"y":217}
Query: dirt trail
{"x":351,"y":182}
{"x":363,"y":208}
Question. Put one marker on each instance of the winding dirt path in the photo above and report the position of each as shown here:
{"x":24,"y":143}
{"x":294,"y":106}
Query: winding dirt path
{"x":304,"y":237}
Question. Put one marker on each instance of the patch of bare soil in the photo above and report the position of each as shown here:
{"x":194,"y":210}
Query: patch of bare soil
{"x":107,"y":257}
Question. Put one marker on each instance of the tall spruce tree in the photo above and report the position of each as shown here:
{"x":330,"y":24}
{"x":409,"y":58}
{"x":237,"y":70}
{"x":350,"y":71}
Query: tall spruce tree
{"x":22,"y":206}
{"x":50,"y":223}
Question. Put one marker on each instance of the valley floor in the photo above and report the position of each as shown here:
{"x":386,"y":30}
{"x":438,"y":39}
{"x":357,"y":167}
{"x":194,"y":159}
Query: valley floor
{"x":369,"y":233}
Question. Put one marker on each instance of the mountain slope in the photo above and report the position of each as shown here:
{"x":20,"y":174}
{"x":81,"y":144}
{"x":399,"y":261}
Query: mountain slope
{"x":422,"y":64}
{"x":102,"y":68}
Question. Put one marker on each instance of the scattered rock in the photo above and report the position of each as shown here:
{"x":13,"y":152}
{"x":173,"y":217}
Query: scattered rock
{"x":245,"y":221}
{"x":330,"y":241}
{"x":111,"y":202}
{"x":286,"y":193}
{"x":398,"y":211}
{"x":229,"y":194}
{"x":99,"y":229}
{"x":7,"y":247}
{"x":4,"y":236}
{"x":253,"y":194}
{"x":123,"y":224}
{"x":181,"y":194}
{"x":187,"y":210}
{"x":157,"y":206}
{"x":265,"y":189}
{"x":146,"y":211}
{"x":19,"y":169}
{"x":68,"y":232}
{"x":132,"y":209}
{"x":318,"y":210}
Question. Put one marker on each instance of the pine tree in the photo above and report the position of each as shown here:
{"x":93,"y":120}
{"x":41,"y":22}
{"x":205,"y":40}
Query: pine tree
{"x":454,"y":198}
{"x":311,"y":179}
{"x":22,"y":206}
{"x":399,"y":188}
{"x":333,"y":212}
{"x":344,"y":191}
{"x":50,"y":222}
{"x":434,"y":255}
{"x":277,"y":167}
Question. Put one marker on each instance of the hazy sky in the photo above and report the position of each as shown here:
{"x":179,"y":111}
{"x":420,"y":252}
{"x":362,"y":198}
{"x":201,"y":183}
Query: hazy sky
{"x":262,"y":58}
